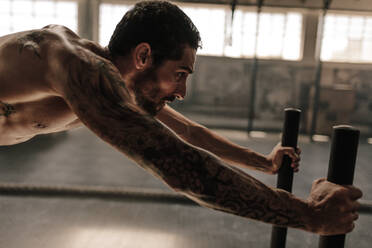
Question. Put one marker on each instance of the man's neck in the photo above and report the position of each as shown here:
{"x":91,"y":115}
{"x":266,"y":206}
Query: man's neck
{"x":126,"y":69}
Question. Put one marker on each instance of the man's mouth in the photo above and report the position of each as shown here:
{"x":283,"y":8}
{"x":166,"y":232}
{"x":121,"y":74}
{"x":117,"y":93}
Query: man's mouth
{"x":169,"y":99}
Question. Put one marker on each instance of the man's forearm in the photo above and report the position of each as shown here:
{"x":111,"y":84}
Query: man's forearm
{"x":231,"y":190}
{"x":226,"y":150}
{"x":209,"y":140}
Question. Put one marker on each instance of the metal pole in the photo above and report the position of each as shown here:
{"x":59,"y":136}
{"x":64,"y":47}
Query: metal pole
{"x":252,"y":93}
{"x":318,"y":73}
{"x":341,"y":170}
{"x":285,"y":174}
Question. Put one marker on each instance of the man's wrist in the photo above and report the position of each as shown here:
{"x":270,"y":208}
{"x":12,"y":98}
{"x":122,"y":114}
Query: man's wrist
{"x":310,"y":217}
{"x":267,"y":164}
{"x":259,"y":161}
{"x":304,"y":214}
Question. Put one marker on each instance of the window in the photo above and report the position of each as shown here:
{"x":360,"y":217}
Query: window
{"x":279,"y":35}
{"x":212,"y":35}
{"x":109,"y":17}
{"x":19,"y":15}
{"x":210,"y":22}
{"x":347,"y":38}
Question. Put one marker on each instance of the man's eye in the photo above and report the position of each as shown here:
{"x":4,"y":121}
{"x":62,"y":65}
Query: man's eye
{"x":180,"y":75}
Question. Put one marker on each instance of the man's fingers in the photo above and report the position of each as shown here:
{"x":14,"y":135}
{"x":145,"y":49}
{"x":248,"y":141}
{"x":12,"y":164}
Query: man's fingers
{"x":290,"y":151}
{"x":293,"y":155}
{"x":354,"y":192}
{"x":350,"y":228}
{"x":355,"y":216}
{"x":355,"y":207}
{"x":295,"y":166}
{"x":350,"y":207}
{"x":298,"y":150}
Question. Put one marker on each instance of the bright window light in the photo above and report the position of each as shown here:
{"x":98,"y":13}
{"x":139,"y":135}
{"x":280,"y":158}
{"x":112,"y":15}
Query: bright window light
{"x":320,"y":138}
{"x":347,"y":38}
{"x":279,"y":35}
{"x":19,"y":15}
{"x":109,"y":16}
{"x":211,"y":25}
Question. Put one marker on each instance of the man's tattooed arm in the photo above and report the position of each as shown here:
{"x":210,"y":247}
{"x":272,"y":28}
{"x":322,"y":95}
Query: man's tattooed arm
{"x":6,"y":109}
{"x":31,"y":41}
{"x":96,"y":93}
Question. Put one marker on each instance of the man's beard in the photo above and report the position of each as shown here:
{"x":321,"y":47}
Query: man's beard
{"x":140,"y":81}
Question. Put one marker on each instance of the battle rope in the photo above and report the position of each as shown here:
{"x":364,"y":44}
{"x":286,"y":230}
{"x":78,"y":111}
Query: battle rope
{"x":117,"y":193}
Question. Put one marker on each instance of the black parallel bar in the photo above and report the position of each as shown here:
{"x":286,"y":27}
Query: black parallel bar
{"x":318,"y":75}
{"x":252,"y":95}
{"x":285,"y":174}
{"x":252,"y":88}
{"x":341,"y":167}
{"x":319,"y":67}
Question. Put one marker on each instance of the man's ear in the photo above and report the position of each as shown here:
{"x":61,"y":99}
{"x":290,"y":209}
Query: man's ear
{"x":142,"y":56}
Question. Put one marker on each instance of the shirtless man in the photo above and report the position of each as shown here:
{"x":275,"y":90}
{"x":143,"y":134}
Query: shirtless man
{"x":52,"y":80}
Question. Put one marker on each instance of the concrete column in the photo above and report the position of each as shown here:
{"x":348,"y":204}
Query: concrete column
{"x":311,"y":20}
{"x":88,"y":15}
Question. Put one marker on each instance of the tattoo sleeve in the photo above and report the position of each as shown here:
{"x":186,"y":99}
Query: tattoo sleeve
{"x":6,"y":109}
{"x":31,"y":41}
{"x":96,"y":93}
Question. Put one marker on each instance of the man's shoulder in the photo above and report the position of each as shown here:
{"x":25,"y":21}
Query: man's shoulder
{"x":67,"y":46}
{"x":41,"y":45}
{"x":61,"y":30}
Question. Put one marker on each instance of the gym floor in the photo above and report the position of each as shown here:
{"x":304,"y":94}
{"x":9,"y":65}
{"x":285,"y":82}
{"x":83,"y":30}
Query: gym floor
{"x":79,"y":158}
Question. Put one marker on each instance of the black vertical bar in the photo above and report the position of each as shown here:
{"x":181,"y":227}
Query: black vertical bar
{"x":341,"y":170}
{"x":252,"y":93}
{"x":318,"y":76}
{"x":319,"y":68}
{"x":285,"y":174}
{"x":314,"y":117}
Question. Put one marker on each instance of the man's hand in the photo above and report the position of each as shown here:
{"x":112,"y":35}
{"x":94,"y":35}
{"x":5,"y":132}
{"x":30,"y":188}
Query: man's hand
{"x":334,"y":207}
{"x":275,"y":158}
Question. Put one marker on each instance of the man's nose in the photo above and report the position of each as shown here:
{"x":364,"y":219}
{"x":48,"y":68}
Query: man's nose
{"x":181,"y":90}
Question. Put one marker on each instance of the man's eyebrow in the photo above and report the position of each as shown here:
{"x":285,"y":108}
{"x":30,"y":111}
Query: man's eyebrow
{"x":186,"y":68}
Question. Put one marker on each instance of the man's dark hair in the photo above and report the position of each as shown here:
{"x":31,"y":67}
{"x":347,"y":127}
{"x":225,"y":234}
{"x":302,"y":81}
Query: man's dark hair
{"x":161,"y":24}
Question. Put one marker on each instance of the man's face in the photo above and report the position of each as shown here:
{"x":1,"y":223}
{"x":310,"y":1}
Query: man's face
{"x":155,"y":87}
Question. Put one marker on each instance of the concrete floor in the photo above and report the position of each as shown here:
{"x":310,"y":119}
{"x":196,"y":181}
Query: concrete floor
{"x":79,"y":158}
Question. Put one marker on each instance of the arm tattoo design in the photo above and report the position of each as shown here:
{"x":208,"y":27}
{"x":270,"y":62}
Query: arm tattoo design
{"x":99,"y":97}
{"x":7,"y":109}
{"x":31,"y":41}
